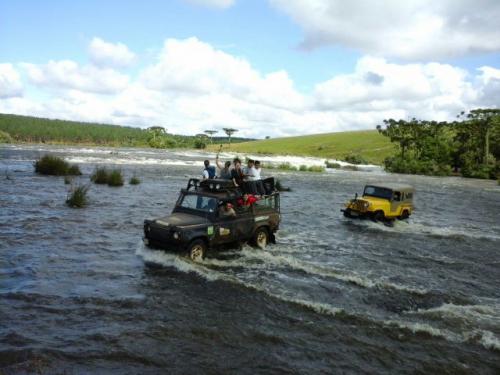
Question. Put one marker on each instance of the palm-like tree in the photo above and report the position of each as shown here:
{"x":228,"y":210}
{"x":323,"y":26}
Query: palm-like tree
{"x":229,"y":132}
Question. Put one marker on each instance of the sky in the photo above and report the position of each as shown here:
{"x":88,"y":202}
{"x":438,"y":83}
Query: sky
{"x":265,"y":67}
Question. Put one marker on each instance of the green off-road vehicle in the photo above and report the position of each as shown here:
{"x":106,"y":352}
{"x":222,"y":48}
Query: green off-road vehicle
{"x":199,"y":224}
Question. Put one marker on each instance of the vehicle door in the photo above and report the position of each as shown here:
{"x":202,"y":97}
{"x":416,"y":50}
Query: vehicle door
{"x":231,"y":229}
{"x":396,"y":200}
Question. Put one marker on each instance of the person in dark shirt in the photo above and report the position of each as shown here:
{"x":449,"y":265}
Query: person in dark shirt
{"x":209,"y":171}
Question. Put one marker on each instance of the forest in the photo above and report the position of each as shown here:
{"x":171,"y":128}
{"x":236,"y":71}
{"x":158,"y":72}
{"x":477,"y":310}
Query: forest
{"x":468,"y":146}
{"x":27,"y":129}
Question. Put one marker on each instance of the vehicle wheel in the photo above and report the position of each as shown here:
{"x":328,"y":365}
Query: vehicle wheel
{"x":404,"y":215}
{"x":378,"y":216}
{"x":261,"y":238}
{"x":196,"y":250}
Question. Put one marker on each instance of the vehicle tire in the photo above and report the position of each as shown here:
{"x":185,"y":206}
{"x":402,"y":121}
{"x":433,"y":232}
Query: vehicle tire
{"x":379,"y":216}
{"x":196,"y":250}
{"x":405,"y":215}
{"x":260,"y":238}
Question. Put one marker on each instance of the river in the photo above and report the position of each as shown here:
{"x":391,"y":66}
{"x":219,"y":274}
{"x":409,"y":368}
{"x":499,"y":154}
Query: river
{"x":79,"y":293}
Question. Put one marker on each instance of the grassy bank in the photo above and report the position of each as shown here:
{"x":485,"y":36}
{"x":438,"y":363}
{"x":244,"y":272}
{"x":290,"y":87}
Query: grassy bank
{"x":369,"y":144}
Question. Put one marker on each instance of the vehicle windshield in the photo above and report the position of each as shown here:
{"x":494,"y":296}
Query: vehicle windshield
{"x":199,"y":203}
{"x":378,"y":192}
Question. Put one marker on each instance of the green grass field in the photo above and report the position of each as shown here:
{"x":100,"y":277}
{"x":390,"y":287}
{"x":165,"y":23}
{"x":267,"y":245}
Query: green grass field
{"x":368,"y":143}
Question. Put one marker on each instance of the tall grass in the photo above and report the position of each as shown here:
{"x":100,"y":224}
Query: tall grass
{"x":77,"y":197}
{"x":100,"y":175}
{"x":115,"y":178}
{"x":55,"y":166}
{"x":330,"y":164}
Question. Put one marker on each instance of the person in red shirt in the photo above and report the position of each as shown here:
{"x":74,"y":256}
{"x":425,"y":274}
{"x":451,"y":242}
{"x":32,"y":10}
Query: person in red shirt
{"x":247,"y":200}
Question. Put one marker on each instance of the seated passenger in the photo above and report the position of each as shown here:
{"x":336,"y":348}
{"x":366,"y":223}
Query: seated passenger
{"x":247,"y":200}
{"x":209,"y":171}
{"x":258,"y":180}
{"x":237,"y":173}
{"x":249,"y":173}
{"x":227,"y":210}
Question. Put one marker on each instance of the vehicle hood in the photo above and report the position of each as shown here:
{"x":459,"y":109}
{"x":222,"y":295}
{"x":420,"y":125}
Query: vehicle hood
{"x":179,"y":219}
{"x":374,"y":200}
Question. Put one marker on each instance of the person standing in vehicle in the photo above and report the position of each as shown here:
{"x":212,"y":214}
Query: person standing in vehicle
{"x":249,"y":172}
{"x":237,"y":173}
{"x":224,"y":171}
{"x":209,"y":171}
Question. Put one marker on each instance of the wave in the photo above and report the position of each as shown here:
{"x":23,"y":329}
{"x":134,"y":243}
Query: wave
{"x":411,"y":227}
{"x":313,"y":269}
{"x":132,"y":161}
{"x":186,"y":265}
{"x":483,"y":337}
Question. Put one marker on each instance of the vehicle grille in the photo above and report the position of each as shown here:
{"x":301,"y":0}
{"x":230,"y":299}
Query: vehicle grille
{"x":359,"y":205}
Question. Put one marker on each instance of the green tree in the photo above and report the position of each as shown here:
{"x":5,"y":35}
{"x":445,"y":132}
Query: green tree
{"x":229,"y":132}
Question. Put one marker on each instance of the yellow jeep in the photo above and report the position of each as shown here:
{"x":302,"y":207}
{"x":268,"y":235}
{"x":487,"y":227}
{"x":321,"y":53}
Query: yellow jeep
{"x":382,"y":202}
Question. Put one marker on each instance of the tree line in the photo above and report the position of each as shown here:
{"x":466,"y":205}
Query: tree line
{"x":16,"y":128}
{"x":469,"y":146}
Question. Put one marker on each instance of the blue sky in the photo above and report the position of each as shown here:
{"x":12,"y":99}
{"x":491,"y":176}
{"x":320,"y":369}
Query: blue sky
{"x":322,"y":53}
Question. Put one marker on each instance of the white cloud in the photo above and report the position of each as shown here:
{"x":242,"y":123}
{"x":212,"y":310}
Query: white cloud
{"x":192,"y":67}
{"x":10,"y":82}
{"x":192,"y":86}
{"x":107,"y":54}
{"x":410,"y":29}
{"x":222,"y":4}
{"x":67,"y":74}
{"x":420,"y":90}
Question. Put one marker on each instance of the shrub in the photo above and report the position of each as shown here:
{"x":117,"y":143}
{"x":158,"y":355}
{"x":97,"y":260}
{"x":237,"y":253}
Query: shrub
{"x":134,"y":181}
{"x":5,"y":137}
{"x":303,"y":168}
{"x":332,"y":165}
{"x":355,"y":159}
{"x":286,"y":167}
{"x":316,"y":168}
{"x":55,"y":166}
{"x":199,"y":144}
{"x":397,"y":164}
{"x":77,"y":198}
{"x":100,"y":175}
{"x":115,"y":178}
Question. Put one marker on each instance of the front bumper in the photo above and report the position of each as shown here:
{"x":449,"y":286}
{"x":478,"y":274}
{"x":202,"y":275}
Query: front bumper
{"x":159,"y":237}
{"x":350,"y":213}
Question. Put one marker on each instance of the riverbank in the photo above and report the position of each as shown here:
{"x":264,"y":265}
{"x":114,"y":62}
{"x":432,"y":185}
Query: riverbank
{"x":367,"y":145}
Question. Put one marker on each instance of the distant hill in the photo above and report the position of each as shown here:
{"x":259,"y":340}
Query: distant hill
{"x":27,"y":129}
{"x":368,"y":144}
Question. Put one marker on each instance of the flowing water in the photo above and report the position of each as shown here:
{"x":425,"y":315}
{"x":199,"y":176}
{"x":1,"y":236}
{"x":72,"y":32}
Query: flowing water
{"x":81,"y":294}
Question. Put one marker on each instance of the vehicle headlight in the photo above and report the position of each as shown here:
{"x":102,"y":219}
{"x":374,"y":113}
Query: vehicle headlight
{"x":367,"y":204}
{"x":176,"y":235}
{"x":211,"y":186}
{"x":217,"y":187}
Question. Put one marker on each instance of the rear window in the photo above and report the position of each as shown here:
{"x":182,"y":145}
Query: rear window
{"x":266,"y":203}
